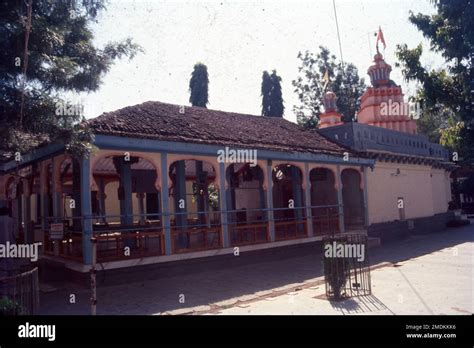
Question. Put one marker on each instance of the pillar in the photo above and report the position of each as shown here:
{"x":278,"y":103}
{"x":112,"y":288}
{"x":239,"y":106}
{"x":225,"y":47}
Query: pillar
{"x":180,"y":194}
{"x":307,"y":196}
{"x":339,"y":199}
{"x":165,"y":207}
{"x":29,"y":238}
{"x":271,"y":221}
{"x":366,"y":201}
{"x":296,"y":183}
{"x":86,"y":210}
{"x":223,"y":205}
{"x":102,"y":198}
{"x":201,"y":199}
{"x":126,"y":209}
{"x":141,"y":207}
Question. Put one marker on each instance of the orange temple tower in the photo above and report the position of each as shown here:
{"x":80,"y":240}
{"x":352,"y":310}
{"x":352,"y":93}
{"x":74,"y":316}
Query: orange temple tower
{"x":330,"y":117}
{"x":382,"y":105}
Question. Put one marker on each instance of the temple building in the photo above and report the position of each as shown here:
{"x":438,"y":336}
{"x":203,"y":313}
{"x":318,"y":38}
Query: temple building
{"x":157,"y":189}
{"x":409,"y":186}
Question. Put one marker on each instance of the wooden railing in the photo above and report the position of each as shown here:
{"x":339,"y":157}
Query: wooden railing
{"x":290,"y":229}
{"x":187,"y":239}
{"x":244,"y":234}
{"x":129,"y":245}
{"x":70,"y":247}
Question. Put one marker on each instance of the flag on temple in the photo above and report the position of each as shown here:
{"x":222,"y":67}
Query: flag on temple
{"x":381,"y":39}
{"x":326,"y":79}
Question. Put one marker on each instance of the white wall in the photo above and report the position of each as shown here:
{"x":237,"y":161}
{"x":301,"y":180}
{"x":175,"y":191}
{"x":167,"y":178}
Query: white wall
{"x":425,"y":191}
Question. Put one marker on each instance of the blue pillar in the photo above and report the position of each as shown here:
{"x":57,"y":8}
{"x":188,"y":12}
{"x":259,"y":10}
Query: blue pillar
{"x":296,"y":183}
{"x":340,"y":200}
{"x":102,"y":199}
{"x":223,"y":205}
{"x":366,"y":201}
{"x":86,"y":211}
{"x":180,"y":194}
{"x":126,"y":209}
{"x":271,"y":221}
{"x":27,"y":216}
{"x":307,"y":196}
{"x":200,"y":180}
{"x":165,"y":207}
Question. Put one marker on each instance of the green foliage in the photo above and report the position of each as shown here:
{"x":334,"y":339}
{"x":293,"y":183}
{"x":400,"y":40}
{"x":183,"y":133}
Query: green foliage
{"x":9,"y":307}
{"x":62,"y":60}
{"x":346,"y":83}
{"x":199,"y":86}
{"x":445,"y":93}
{"x":272,"y":100}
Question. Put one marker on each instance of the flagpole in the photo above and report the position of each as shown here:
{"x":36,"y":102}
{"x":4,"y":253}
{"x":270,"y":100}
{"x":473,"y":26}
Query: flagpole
{"x":338,"y":36}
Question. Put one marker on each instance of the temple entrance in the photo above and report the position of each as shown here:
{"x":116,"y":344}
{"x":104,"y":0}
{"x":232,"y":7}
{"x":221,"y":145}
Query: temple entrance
{"x":288,"y":207}
{"x":324,"y":206}
{"x":353,"y":199}
{"x":247,"y":218}
{"x":194,"y":201}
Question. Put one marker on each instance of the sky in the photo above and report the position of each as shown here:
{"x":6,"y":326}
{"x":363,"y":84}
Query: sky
{"x":238,"y":40}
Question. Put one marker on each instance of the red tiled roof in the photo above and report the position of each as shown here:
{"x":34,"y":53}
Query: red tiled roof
{"x":162,"y":121}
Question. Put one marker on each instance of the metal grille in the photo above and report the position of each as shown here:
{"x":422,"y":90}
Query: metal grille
{"x":346,"y":266}
{"x":19,"y":294}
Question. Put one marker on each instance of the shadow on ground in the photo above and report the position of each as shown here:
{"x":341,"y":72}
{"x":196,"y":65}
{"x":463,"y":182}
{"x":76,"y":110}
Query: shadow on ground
{"x":202,"y":282}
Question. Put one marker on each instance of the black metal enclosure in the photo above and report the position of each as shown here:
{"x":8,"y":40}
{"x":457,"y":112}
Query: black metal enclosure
{"x":346,"y":266}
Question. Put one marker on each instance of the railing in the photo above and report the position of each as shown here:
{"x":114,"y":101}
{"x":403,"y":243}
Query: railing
{"x":188,"y":233}
{"x":187,"y":239}
{"x":19,"y":294}
{"x":130,"y":245}
{"x":252,"y":233}
{"x":290,"y":223}
{"x":325,"y":220}
{"x":69,"y":247}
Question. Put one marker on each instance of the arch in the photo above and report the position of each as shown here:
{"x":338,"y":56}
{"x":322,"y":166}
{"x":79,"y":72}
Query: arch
{"x":288,"y":201}
{"x":194,"y":202}
{"x":130,"y":174}
{"x":246,"y":203}
{"x":353,"y":199}
{"x":324,"y":200}
{"x":152,"y":158}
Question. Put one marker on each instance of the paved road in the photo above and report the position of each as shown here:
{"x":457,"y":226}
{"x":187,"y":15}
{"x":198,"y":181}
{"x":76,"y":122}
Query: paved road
{"x":433,"y":274}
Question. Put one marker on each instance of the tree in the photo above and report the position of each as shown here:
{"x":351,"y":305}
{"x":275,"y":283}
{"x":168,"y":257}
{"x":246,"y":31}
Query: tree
{"x":59,"y":59}
{"x":272,"y":100}
{"x":450,"y":32}
{"x":309,"y":85}
{"x":199,"y":86}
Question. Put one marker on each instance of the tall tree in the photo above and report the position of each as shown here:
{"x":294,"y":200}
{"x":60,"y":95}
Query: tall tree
{"x":47,"y":52}
{"x":309,"y":86}
{"x":272,"y":99}
{"x":199,"y":86}
{"x":450,"y":32}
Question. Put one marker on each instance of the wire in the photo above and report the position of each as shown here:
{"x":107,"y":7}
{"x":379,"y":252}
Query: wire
{"x":338,"y":36}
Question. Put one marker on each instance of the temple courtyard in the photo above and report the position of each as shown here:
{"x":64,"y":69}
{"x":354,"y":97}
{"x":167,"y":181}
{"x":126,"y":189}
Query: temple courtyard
{"x":423,"y":274}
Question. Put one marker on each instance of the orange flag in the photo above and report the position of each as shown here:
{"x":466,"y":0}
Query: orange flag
{"x":381,"y":39}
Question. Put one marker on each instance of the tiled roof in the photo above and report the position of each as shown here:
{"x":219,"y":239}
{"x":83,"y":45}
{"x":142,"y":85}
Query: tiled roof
{"x":162,"y":121}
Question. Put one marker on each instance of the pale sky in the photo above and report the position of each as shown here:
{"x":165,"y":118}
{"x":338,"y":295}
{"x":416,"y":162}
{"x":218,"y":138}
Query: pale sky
{"x":237,"y":40}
